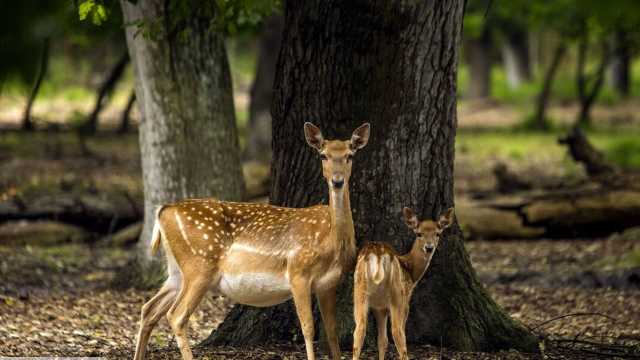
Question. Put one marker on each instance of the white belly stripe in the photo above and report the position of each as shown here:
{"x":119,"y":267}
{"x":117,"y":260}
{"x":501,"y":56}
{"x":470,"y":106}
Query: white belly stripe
{"x":257,"y":289}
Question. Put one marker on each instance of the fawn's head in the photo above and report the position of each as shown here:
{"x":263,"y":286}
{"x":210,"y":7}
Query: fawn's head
{"x":427,"y":231}
{"x":336,"y":155}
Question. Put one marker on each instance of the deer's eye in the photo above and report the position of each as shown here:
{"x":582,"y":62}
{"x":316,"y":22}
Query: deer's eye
{"x":419,"y":234}
{"x":323,"y":157}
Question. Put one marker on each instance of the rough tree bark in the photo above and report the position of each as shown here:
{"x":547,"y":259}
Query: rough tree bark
{"x":106,"y":88}
{"x":394,"y":65}
{"x":515,"y":55}
{"x":259,"y":128}
{"x":188,"y":136}
{"x":477,"y":53}
{"x":27,"y":122}
{"x":539,"y":120}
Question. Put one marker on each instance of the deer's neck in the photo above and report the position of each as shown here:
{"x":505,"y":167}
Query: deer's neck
{"x":342,"y":233}
{"x":418,"y":263}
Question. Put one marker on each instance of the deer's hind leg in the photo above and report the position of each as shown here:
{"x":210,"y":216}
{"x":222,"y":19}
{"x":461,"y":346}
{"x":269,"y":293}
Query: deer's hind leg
{"x":382,"y":317}
{"x":399,"y":314}
{"x":193,"y":289}
{"x":152,"y":312}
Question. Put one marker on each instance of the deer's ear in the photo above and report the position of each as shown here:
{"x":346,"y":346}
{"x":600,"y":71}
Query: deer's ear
{"x":313,"y":135}
{"x":360,"y":137}
{"x":410,"y":218}
{"x":446,"y":219}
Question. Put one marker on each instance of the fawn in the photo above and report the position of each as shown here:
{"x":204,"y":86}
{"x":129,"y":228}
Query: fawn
{"x":258,"y":254}
{"x":384,"y":281}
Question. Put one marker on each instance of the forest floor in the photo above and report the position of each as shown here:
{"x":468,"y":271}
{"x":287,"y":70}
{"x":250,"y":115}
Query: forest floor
{"x":61,"y":301}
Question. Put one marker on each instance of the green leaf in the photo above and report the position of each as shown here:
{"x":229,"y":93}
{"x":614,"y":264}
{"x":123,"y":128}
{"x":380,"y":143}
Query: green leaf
{"x":89,"y":9}
{"x":85,"y":8}
{"x":99,"y":14}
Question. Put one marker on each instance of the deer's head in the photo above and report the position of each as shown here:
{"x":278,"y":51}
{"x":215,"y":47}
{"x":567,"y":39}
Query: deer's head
{"x":336,"y":155}
{"x":427,"y":231}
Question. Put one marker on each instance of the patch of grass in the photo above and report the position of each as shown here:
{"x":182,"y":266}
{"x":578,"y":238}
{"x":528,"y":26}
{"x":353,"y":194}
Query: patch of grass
{"x":621,"y":147}
{"x":563,"y":89}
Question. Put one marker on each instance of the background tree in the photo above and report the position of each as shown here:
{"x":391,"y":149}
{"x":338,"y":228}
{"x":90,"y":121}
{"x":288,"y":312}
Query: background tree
{"x":341,"y":64}
{"x":188,"y":135}
{"x":478,"y":50}
{"x":259,"y":127}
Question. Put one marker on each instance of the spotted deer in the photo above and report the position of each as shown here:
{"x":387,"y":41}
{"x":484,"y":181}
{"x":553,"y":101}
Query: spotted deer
{"x":384,"y":282}
{"x":258,"y":254}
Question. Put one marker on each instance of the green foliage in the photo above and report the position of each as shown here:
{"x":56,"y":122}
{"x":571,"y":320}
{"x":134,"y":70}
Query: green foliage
{"x":228,"y":16}
{"x":95,"y":11}
{"x":244,"y":15}
{"x":25,"y":24}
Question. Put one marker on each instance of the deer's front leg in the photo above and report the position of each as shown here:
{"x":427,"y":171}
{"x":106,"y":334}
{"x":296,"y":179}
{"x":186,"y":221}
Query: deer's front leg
{"x":327,"y":301}
{"x":360,"y":313}
{"x":301,"y":291}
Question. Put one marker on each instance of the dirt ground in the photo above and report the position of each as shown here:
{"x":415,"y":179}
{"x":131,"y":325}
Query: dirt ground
{"x":57,"y":301}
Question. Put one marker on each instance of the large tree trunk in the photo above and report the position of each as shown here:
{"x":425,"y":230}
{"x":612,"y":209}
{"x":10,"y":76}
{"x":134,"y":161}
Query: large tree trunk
{"x":105,"y":90}
{"x":259,"y":128}
{"x":27,"y":122}
{"x":188,"y":136}
{"x":515,"y":56}
{"x":342,"y":64}
{"x":477,"y":53}
{"x":620,"y":64}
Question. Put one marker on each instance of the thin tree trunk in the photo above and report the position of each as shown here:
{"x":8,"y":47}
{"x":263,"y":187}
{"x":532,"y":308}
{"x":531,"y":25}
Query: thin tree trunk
{"x":125,"y":119}
{"x":620,"y":64}
{"x":105,"y":90}
{"x":540,"y":121}
{"x":27,"y":122}
{"x":342,"y":64}
{"x":188,"y":136}
{"x":588,"y":96}
{"x":259,"y":127}
{"x":477,"y":53}
{"x":515,"y":56}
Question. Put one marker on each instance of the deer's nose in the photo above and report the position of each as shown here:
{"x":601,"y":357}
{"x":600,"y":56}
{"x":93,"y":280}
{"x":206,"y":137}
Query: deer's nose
{"x":337,"y":182}
{"x":429,"y":248}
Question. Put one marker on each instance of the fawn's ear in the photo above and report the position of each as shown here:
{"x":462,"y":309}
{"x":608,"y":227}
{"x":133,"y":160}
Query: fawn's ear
{"x":446,"y":219}
{"x":410,"y":218}
{"x":360,"y":137}
{"x":313,"y":135}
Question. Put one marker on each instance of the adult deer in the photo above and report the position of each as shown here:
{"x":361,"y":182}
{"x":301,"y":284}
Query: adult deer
{"x":384,"y":282}
{"x":259,"y":254}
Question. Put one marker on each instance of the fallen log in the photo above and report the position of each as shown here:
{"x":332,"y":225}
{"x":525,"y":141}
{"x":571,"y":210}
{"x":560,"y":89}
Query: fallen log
{"x":40,"y":233}
{"x":100,"y":213}
{"x":590,"y":211}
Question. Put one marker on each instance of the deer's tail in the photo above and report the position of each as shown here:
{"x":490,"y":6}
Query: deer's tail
{"x":156,"y":233}
{"x":378,"y":267}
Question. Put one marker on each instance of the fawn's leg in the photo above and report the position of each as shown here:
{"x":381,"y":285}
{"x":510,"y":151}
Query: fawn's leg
{"x":360,"y":312}
{"x":327,"y":301}
{"x":152,"y":311}
{"x":301,"y":290}
{"x":190,"y":296}
{"x":381,"y":321}
{"x":398,"y":317}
